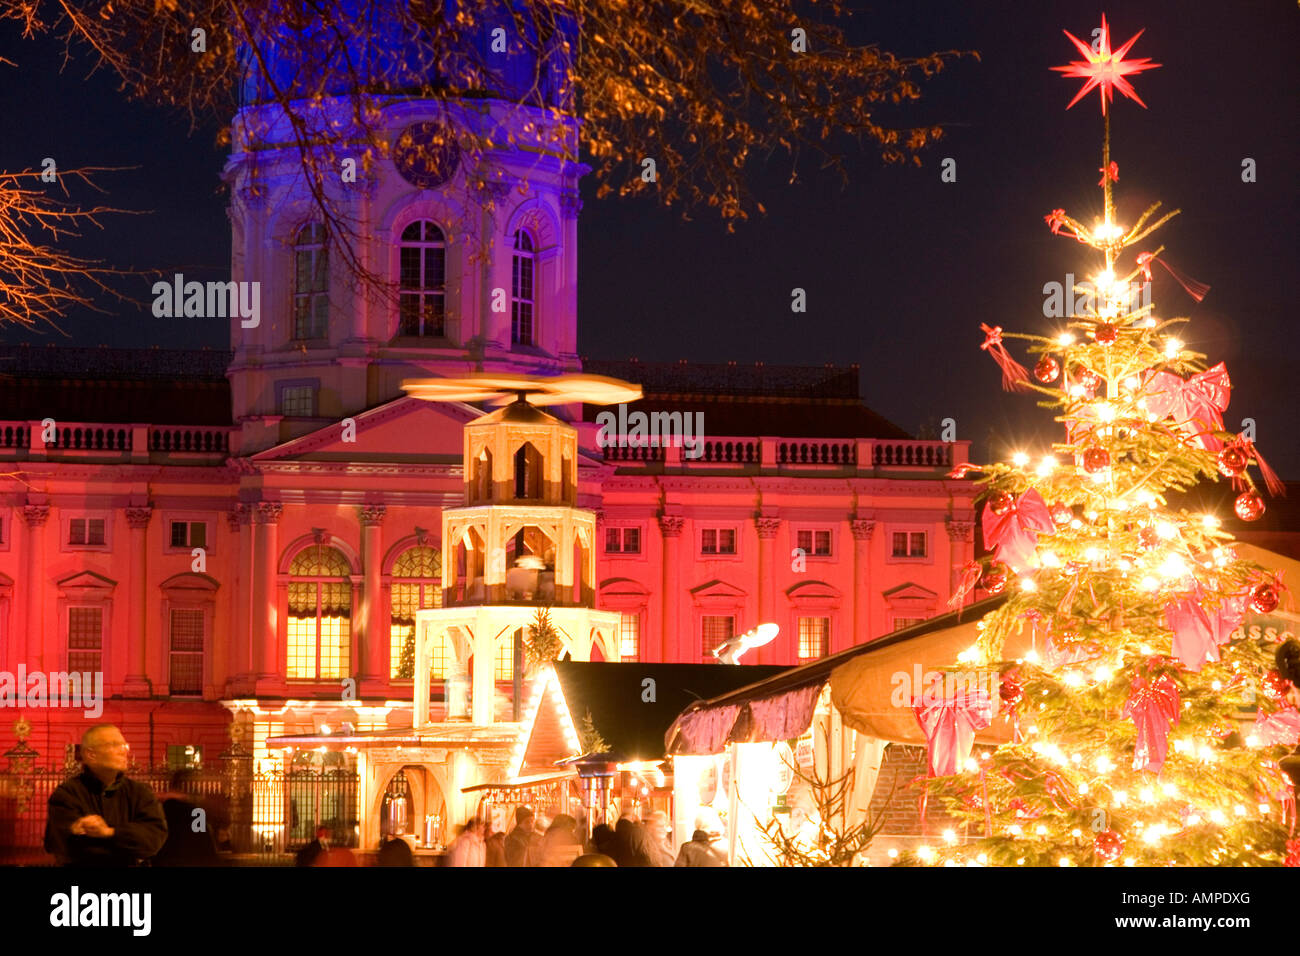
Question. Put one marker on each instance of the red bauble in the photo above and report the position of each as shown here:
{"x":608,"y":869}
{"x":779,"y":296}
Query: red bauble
{"x":1090,"y":380}
{"x":1108,"y":845}
{"x":1232,"y":461}
{"x":1263,"y":599}
{"x":1095,"y":459}
{"x":1248,"y":506}
{"x":1276,"y":687}
{"x":1011,"y":690}
{"x":1062,"y":514}
{"x":995,"y":578}
{"x":1148,"y":538}
{"x":1000,"y":502}
{"x":1107,"y":334}
{"x":1047,"y":370}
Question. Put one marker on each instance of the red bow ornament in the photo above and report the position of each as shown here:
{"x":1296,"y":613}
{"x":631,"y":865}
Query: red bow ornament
{"x":949,"y":726}
{"x":1014,"y":375}
{"x":1282,"y":727}
{"x":1014,"y":534}
{"x":1198,"y":630}
{"x":1056,"y":220}
{"x":1153,"y":706}
{"x":1196,"y":404}
{"x":1110,"y":172}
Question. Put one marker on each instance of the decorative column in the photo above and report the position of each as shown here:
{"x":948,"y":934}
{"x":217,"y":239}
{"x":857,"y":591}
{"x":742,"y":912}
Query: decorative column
{"x":262,"y":617}
{"x":670,"y":529}
{"x":862,"y":630}
{"x":239,"y":660}
{"x":767,"y":529}
{"x":30,"y":651}
{"x":137,"y":679}
{"x":961,"y":543}
{"x":370,"y":661}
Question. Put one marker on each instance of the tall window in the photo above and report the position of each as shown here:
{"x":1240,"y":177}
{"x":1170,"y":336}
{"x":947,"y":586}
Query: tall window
{"x":311,"y":283}
{"x":814,"y":637}
{"x":422,"y":264}
{"x":320,"y":614}
{"x":186,"y":652}
{"x":417,"y":583}
{"x":629,"y":636}
{"x":521,"y":290}
{"x":505,"y":660}
{"x":717,"y":630}
{"x":85,"y":639}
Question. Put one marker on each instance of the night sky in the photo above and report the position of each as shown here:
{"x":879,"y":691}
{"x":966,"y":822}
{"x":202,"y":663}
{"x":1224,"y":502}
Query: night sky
{"x":899,"y":267}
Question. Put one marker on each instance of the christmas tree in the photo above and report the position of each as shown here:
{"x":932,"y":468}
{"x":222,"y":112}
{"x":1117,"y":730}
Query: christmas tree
{"x":1131,"y":688}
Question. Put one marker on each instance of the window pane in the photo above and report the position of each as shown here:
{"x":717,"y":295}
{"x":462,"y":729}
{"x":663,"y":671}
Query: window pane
{"x":187,"y":630}
{"x":435,"y":261}
{"x":631,"y":540}
{"x":709,"y":542}
{"x":727,"y":541}
{"x":178,"y":534}
{"x":900,"y":544}
{"x":77,"y":531}
{"x":409,"y":274}
{"x":814,"y":637}
{"x":918,"y":544}
{"x":505,"y":660}
{"x":823,"y":543}
{"x":85,"y":638}
{"x":717,"y":629}
{"x":198,"y":534}
{"x":612,"y":542}
{"x":629,"y":637}
{"x":804,"y":541}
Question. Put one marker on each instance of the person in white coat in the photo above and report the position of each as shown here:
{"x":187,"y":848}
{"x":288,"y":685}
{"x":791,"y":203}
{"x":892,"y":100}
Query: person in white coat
{"x":468,"y":849}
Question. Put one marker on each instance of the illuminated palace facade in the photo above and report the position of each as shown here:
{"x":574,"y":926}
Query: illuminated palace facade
{"x":246,"y":537}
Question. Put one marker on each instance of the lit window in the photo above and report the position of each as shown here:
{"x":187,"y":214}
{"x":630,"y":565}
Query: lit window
{"x":814,"y":542}
{"x":320,"y":615}
{"x":718,"y":541}
{"x":417,"y":583}
{"x":85,"y":639}
{"x":814,"y":637}
{"x":903,"y":622}
{"x":186,"y":652}
{"x":521,"y":290}
{"x":909,"y":544}
{"x":717,"y":630}
{"x":189,"y":534}
{"x":629,"y":636}
{"x":422,"y":280}
{"x":184,"y":756}
{"x":505,"y":660}
{"x":298,"y":401}
{"x":86,"y":531}
{"x":622,"y":540}
{"x":311,"y":283}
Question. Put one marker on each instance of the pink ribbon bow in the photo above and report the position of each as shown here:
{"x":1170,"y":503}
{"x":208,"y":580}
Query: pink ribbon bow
{"x":1056,"y":220}
{"x":1154,"y":709}
{"x":1110,"y":172}
{"x":1198,"y":630}
{"x":1014,"y":375}
{"x":1013,"y":533}
{"x":949,"y":726}
{"x":1196,"y":404}
{"x":1282,"y":727}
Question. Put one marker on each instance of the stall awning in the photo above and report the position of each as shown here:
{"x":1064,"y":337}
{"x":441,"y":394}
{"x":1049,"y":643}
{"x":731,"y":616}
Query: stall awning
{"x":523,"y":783}
{"x":781,"y":708}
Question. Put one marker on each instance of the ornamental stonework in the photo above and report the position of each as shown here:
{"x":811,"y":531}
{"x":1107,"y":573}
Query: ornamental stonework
{"x":267,"y":512}
{"x":35,"y":515}
{"x":960,"y":530}
{"x":862,"y":529}
{"x":767,"y":527}
{"x":138,"y":518}
{"x":372,"y":514}
{"x":671,"y":525}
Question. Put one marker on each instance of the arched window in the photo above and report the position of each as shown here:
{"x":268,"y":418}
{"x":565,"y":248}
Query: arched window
{"x":521,"y":290}
{"x":422,"y":280}
{"x":311,"y":283}
{"x":417,"y":583}
{"x":320,"y":615}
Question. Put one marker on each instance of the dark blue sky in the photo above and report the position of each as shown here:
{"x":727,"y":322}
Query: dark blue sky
{"x":899,"y":268}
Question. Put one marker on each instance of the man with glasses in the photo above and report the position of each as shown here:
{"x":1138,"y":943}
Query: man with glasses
{"x":102,"y":818}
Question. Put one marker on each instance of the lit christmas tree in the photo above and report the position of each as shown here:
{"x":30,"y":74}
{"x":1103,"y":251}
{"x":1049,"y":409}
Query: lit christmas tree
{"x":1128,"y":747}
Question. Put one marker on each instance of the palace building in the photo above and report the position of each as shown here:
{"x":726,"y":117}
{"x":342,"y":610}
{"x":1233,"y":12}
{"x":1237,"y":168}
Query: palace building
{"x":243,"y":542}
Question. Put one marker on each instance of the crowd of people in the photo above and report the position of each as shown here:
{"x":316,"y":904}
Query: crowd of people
{"x":103,"y":818}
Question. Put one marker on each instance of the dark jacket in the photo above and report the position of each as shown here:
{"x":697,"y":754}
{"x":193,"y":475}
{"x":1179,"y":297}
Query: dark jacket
{"x":127,"y":806}
{"x":185,"y":847}
{"x":522,"y":847}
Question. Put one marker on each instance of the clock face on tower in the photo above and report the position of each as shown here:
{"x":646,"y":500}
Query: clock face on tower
{"x":426,"y":154}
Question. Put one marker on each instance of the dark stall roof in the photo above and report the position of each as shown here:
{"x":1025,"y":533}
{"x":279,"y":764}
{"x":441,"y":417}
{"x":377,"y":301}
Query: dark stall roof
{"x":635,"y":729}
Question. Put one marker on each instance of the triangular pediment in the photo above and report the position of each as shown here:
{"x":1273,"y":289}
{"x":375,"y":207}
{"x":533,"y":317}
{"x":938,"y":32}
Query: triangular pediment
{"x":910,"y":592}
{"x":717,"y":591}
{"x":403,"y":430}
{"x":87,"y":580}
